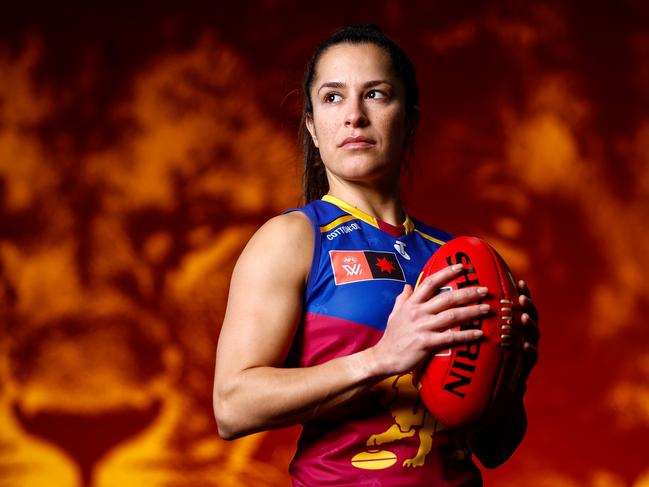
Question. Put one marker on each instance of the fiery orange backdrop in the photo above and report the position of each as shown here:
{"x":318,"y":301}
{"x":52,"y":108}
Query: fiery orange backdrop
{"x":140,"y":147}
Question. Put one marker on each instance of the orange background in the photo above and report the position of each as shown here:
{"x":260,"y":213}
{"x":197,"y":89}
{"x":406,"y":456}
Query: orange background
{"x":140,"y":147}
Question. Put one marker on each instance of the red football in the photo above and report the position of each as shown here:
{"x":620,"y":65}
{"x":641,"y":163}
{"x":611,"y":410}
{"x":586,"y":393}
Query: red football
{"x":463,"y":384}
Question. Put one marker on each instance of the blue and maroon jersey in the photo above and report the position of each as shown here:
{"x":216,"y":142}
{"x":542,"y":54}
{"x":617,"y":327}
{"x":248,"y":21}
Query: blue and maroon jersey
{"x":388,"y":438}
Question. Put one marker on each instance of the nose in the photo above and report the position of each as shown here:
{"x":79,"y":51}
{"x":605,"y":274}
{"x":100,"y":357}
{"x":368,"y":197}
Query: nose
{"x":355,"y":115}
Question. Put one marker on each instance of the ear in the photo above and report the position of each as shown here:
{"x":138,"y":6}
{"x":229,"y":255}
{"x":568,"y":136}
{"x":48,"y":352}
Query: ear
{"x":308,"y":120}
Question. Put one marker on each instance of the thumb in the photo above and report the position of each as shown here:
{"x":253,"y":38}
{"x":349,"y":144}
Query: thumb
{"x":403,"y":297}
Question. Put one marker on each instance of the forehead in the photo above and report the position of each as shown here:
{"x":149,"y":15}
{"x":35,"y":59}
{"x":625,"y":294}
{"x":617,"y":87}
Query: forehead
{"x":348,"y":62}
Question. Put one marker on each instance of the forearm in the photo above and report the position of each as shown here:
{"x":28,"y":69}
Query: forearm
{"x":496,"y":441}
{"x":260,"y":398}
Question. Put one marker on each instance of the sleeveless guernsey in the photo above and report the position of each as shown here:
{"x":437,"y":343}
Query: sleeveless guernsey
{"x":388,"y":438}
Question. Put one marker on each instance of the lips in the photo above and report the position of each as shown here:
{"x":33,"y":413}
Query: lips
{"x":358,"y":142}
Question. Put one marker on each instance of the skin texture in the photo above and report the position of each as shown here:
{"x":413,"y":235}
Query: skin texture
{"x":355,"y":94}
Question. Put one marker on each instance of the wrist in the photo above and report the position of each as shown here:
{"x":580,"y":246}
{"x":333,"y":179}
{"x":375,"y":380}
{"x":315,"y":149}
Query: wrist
{"x":373,"y":364}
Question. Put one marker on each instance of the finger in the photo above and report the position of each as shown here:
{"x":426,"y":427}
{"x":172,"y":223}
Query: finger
{"x":454,"y":337}
{"x":523,"y":288}
{"x":525,"y":301}
{"x":531,"y":350}
{"x":456,"y":316}
{"x":454,"y":299}
{"x":402,"y":297}
{"x":528,"y":306}
{"x":530,"y":329}
{"x":427,"y":287}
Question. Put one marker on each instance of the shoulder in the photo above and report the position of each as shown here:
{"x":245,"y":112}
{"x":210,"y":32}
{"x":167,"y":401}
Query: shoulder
{"x":283,"y":246}
{"x":291,"y":227}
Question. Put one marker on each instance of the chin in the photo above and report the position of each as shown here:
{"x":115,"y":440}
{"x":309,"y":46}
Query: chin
{"x":364,"y":167}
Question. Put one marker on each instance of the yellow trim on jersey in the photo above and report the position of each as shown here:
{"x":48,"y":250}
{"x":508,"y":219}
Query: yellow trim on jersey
{"x":432,"y":239}
{"x":408,"y":225}
{"x":351,"y":210}
{"x":336,"y":222}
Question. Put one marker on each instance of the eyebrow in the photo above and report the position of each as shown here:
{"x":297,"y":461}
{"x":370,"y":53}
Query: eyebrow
{"x":367,"y":84}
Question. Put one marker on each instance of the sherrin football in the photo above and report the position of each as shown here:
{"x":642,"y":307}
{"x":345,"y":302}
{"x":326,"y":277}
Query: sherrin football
{"x":465,"y":384}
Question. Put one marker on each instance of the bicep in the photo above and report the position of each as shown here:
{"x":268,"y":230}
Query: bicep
{"x":265,"y":300}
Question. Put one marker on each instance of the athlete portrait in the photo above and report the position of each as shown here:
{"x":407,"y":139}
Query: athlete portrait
{"x":334,"y":328}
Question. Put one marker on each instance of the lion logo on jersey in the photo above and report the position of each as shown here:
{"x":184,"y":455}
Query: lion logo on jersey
{"x":400,"y":394}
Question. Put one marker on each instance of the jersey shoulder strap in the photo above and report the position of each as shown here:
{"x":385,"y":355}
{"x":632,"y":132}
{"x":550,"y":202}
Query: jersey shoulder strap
{"x":431,"y":233}
{"x":322,"y":216}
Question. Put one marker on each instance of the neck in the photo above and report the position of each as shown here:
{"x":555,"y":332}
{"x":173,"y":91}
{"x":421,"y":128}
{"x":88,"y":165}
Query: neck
{"x":383,"y":204}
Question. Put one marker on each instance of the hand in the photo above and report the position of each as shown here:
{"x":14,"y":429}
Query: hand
{"x":531,"y":333}
{"x":421,"y":322}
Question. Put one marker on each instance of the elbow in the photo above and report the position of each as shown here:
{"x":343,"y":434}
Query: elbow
{"x":491,"y":462}
{"x":228,"y":416}
{"x":226,"y":433}
{"x":494,"y":452}
{"x":225,"y":420}
{"x":495,"y":445}
{"x":225,"y":429}
{"x":498,"y":454}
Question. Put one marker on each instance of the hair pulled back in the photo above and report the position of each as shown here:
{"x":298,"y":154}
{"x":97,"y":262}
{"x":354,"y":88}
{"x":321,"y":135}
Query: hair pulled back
{"x":314,"y":182}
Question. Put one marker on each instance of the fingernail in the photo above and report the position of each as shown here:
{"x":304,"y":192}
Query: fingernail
{"x":482,"y":290}
{"x":478,"y":333}
{"x":484,"y":308}
{"x":456,"y":267}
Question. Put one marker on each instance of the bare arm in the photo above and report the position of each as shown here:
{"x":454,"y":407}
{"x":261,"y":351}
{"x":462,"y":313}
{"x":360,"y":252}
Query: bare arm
{"x":496,"y":441}
{"x":252,"y":392}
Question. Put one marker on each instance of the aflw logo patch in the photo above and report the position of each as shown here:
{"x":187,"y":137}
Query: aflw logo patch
{"x":364,"y":265}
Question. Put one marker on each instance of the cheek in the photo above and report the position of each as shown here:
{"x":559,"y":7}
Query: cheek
{"x":396,"y":130}
{"x":325,"y":131}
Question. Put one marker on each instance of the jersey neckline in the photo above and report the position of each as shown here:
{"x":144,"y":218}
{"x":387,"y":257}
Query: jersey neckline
{"x":396,"y":231}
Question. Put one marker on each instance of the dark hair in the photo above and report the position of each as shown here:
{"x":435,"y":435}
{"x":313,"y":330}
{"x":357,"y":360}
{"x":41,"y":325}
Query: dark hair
{"x":314,"y":181}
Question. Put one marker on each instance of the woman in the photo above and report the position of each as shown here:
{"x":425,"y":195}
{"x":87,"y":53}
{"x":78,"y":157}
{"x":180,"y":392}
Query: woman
{"x":323,"y":326}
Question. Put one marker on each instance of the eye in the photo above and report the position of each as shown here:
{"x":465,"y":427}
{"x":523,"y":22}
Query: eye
{"x":376,"y":94}
{"x":332,"y":97}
